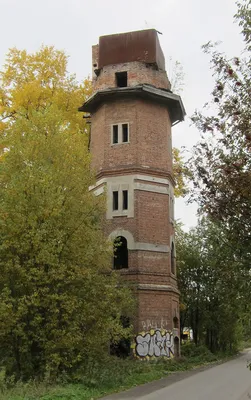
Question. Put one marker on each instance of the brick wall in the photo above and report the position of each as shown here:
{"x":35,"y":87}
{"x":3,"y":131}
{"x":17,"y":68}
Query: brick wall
{"x":137,"y":73}
{"x":149,"y":136}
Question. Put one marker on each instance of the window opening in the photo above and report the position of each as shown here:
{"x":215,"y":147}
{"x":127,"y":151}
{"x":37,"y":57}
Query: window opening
{"x":175,"y":323}
{"x":125,"y":199}
{"x":124,"y":133}
{"x":120,"y":253}
{"x":115,"y":200}
{"x":115,"y":136}
{"x":172,"y":260}
{"x":121,"y":79}
{"x":176,"y":347}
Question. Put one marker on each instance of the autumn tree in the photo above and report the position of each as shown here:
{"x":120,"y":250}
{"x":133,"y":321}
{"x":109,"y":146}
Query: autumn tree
{"x":59,"y":302}
{"x":221,"y":161}
{"x":181,"y":173}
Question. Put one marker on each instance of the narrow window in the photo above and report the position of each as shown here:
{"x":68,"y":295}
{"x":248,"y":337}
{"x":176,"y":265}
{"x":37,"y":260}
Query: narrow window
{"x":115,"y":200}
{"x":121,"y":78}
{"x":120,"y":259}
{"x":176,"y":347}
{"x":124,"y":133}
{"x":172,"y":260}
{"x":172,"y":208}
{"x":125,"y":199}
{"x":115,"y":134}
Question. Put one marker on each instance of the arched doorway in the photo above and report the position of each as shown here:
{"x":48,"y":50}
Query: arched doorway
{"x":120,"y":253}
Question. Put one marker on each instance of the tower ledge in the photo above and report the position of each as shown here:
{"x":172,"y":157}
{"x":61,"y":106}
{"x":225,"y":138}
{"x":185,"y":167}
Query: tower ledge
{"x":172,"y":101}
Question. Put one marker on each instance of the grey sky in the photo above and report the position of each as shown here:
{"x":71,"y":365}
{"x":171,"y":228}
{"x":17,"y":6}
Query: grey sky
{"x":74,"y":25}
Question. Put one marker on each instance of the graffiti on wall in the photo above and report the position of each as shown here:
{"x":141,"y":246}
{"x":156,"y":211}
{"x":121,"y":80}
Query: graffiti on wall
{"x":155,"y":343}
{"x":155,"y":324}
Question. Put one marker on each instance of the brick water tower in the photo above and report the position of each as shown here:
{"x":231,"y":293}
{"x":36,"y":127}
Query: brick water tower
{"x":132,"y":112}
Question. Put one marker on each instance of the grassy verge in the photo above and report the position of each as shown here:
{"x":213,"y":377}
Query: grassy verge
{"x":112,"y":376}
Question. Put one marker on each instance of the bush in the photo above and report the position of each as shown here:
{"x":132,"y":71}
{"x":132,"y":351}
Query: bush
{"x":201,"y":352}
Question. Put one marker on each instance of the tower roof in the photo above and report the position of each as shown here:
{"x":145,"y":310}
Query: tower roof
{"x":141,"y":46}
{"x":172,"y":101}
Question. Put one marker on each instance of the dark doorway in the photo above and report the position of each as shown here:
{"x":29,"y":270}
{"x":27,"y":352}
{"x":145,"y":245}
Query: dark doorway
{"x":176,"y":347}
{"x":120,"y":253}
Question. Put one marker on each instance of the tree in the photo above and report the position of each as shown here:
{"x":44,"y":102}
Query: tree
{"x":181,"y":174}
{"x":176,"y":75}
{"x":221,"y":161}
{"x":32,"y":82}
{"x":188,"y":260}
{"x":60,"y":304}
{"x":213,"y":284}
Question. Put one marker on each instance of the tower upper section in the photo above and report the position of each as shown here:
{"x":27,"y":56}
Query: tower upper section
{"x":129,"y":59}
{"x":130,"y":65}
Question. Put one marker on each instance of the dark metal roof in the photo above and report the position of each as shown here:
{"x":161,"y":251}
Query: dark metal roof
{"x":141,"y":46}
{"x":172,"y":101}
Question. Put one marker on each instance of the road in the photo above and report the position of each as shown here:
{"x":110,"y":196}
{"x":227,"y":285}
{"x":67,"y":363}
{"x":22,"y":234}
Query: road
{"x":228,"y":381}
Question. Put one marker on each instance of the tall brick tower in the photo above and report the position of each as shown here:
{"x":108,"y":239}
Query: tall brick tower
{"x":132,"y":111}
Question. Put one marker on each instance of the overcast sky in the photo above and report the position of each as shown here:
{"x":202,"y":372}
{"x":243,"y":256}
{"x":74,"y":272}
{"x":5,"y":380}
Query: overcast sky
{"x":74,"y":25}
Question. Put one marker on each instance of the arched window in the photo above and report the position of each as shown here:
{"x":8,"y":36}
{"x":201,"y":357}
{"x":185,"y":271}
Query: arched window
{"x":120,"y":253}
{"x":172,"y":259}
{"x":175,"y":323}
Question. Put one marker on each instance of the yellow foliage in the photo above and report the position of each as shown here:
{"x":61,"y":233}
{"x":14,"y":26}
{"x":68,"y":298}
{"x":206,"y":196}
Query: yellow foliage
{"x":181,"y":173}
{"x":37,"y":82}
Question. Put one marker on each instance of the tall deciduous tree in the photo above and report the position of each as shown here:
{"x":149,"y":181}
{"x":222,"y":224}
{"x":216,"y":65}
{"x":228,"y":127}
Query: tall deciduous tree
{"x":221,"y":162}
{"x":59,"y":302}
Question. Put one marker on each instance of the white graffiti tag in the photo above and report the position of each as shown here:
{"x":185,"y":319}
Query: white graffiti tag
{"x":155,"y":344}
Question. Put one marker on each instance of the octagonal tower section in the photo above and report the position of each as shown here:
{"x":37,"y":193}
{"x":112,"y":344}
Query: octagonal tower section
{"x":132,"y":112}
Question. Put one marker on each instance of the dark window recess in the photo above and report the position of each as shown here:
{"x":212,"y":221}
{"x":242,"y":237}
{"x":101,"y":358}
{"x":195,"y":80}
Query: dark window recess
{"x":175,"y":322}
{"x":120,"y":258}
{"x":125,"y":199}
{"x":176,"y":347}
{"x":172,"y":260}
{"x":121,"y":79}
{"x":124,"y":132}
{"x":115,"y":134}
{"x":115,"y":200}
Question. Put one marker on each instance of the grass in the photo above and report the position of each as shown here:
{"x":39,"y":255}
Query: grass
{"x":113,"y":375}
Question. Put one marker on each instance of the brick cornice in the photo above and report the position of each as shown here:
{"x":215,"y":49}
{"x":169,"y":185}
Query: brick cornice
{"x":134,"y":169}
{"x":157,"y":288}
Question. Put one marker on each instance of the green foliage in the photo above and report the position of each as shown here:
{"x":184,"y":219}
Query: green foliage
{"x":60,"y":304}
{"x":108,"y":376}
{"x":221,"y":161}
{"x":220,"y":168}
{"x":243,"y":17}
{"x":213,"y":284}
